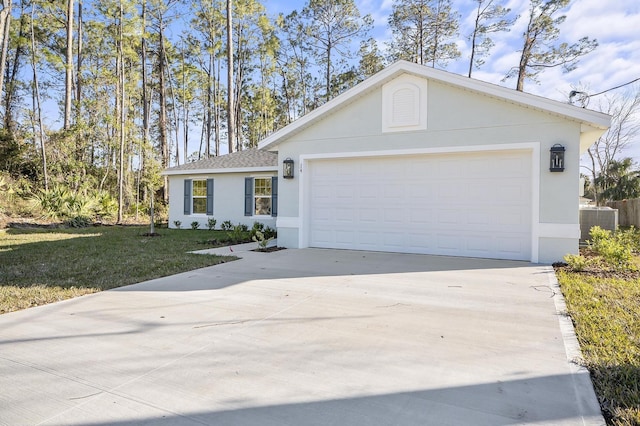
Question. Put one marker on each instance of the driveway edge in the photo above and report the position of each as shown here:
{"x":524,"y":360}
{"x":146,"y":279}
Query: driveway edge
{"x":586,"y":398}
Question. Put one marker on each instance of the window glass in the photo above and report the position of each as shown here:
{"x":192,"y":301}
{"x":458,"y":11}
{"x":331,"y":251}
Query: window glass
{"x":199,"y":188}
{"x":199,"y":197}
{"x":262,"y":195}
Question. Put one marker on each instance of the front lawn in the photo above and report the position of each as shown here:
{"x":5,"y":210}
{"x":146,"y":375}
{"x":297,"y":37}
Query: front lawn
{"x":606,"y":315}
{"x":39,"y":266}
{"x":602,"y":290}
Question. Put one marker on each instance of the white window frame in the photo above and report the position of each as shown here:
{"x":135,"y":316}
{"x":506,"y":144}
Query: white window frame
{"x":256,"y":196}
{"x":194,"y":197}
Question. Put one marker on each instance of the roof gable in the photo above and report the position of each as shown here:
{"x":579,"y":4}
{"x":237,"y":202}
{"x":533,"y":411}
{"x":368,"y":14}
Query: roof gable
{"x":590,"y":120}
{"x":248,"y":160}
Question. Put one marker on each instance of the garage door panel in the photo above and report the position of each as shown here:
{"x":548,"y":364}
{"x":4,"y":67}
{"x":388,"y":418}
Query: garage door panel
{"x":420,"y":217}
{"x":475,"y":204}
{"x":449,"y":217}
{"x":368,"y":238}
{"x":479,"y":243}
{"x":345,"y":237}
{"x":509,"y":246}
{"x":481,"y":217}
{"x":393,"y":240}
{"x":345,"y":194}
{"x":368,"y":215}
{"x":322,"y":237}
{"x":393,"y":216}
{"x":394,"y":191}
{"x":513,"y":193}
{"x":511,"y":216}
{"x":449,"y":242}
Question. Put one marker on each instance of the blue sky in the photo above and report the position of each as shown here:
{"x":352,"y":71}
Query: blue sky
{"x":614,"y":23}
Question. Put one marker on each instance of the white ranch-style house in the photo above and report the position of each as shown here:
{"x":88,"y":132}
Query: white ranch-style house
{"x":412,"y":160}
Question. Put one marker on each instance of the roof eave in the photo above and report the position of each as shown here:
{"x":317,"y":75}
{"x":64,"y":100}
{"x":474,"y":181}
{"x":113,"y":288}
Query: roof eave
{"x":179,"y":172}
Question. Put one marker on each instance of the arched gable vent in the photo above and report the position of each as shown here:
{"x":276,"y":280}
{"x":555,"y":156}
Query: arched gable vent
{"x":404,"y":104}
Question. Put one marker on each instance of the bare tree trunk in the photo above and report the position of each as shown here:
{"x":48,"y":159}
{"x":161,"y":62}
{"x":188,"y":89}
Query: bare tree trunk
{"x":162,"y":119}
{"x":79,"y":60}
{"x":122,"y":115}
{"x":5,"y":25}
{"x":185,"y":111}
{"x":146,"y":111}
{"x":237,"y":98}
{"x":230,"y":102}
{"x":203,"y":130}
{"x":526,"y":54}
{"x":174,"y":109}
{"x":12,"y":75}
{"x":37,"y":108}
{"x":474,"y":37}
{"x":593,"y":176}
{"x":210,"y":101}
{"x":216,"y":107}
{"x":79,"y":139}
{"x":68,"y":82}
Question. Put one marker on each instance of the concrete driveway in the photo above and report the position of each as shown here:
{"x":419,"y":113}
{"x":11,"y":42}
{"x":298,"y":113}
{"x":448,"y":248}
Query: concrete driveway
{"x":303,"y":337}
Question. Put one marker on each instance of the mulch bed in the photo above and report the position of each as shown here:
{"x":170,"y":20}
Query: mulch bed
{"x":269,"y":249}
{"x":596,"y":270}
{"x":151,"y":234}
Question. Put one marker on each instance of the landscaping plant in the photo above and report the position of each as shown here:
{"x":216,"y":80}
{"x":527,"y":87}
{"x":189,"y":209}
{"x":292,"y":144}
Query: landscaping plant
{"x":261,"y":240}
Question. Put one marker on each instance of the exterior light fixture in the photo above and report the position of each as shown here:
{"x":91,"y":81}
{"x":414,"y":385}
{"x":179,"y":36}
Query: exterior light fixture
{"x":287,"y":168}
{"x":557,"y":158}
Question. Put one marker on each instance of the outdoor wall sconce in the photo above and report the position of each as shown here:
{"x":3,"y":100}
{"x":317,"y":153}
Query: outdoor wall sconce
{"x":287,"y":168}
{"x":557,"y":158}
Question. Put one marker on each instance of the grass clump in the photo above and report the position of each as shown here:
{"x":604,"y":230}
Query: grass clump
{"x":39,"y":266}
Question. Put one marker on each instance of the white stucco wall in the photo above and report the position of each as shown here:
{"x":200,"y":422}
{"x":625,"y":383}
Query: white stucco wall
{"x":456,"y":118}
{"x":228,"y":200}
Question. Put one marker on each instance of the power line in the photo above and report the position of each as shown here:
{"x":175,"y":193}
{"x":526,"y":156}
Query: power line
{"x":613,"y":88}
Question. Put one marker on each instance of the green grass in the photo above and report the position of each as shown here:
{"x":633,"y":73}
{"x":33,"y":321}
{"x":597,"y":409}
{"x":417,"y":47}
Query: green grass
{"x":40,"y":266}
{"x":606,"y":315}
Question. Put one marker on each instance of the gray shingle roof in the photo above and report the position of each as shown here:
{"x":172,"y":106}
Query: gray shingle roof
{"x":247,"y":159}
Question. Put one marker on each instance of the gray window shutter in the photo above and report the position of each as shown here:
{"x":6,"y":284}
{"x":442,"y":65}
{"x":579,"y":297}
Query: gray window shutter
{"x":187,"y":196}
{"x":248,"y":196}
{"x":274,"y":196}
{"x":210,"y":197}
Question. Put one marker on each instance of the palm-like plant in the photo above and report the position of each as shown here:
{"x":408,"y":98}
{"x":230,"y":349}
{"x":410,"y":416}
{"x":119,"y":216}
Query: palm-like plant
{"x":619,"y":181}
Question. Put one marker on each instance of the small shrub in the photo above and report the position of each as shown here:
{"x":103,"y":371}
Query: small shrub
{"x":104,"y":205}
{"x":257,"y":227}
{"x":226,"y":225}
{"x":177,"y":224}
{"x":211,"y":224}
{"x":629,"y":237}
{"x":243,"y":227}
{"x":270,"y":233}
{"x":195,"y":225}
{"x":576,"y":262}
{"x":261,"y":240}
{"x":78,"y":222}
{"x":237,"y":234}
{"x":616,"y":251}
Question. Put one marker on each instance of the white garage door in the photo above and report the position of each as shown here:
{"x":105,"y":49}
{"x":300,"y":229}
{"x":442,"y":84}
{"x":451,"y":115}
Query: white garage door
{"x":476,"y":205}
